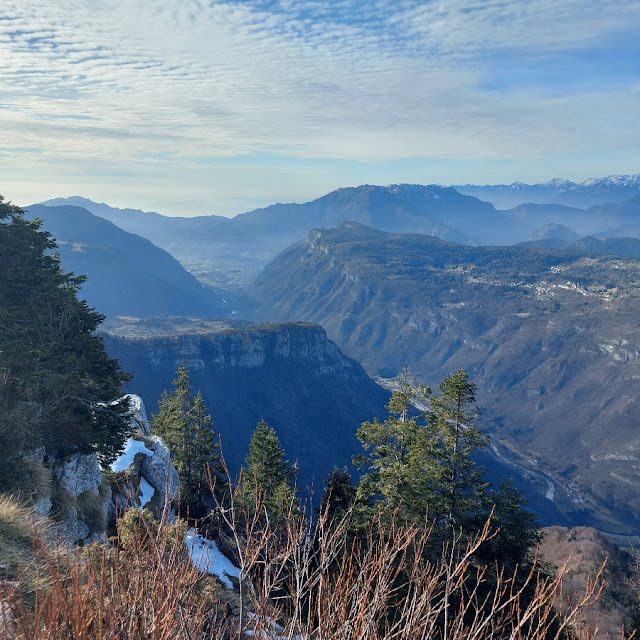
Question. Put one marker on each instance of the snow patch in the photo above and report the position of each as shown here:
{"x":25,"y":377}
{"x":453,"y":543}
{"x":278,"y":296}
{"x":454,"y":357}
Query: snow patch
{"x":206,"y":556}
{"x":125,"y":459}
{"x":146,"y":493}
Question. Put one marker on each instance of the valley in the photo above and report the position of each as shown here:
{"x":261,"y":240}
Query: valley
{"x":288,"y":374}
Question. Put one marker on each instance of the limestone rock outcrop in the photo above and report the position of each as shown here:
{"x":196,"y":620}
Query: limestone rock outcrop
{"x":145,"y":475}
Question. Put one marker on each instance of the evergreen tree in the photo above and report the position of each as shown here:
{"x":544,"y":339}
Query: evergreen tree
{"x":517,"y":530}
{"x":450,"y":419}
{"x":266,"y":470}
{"x":393,"y":471}
{"x":206,"y":451}
{"x":339,"y":494}
{"x":58,"y":387}
{"x":183,"y":423}
{"x":421,"y":463}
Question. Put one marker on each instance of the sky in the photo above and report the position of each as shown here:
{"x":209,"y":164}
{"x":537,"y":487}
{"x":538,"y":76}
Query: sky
{"x":192,"y":107}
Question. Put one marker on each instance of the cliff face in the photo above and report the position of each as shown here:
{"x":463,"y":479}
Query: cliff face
{"x":81,"y":501}
{"x":289,"y":374}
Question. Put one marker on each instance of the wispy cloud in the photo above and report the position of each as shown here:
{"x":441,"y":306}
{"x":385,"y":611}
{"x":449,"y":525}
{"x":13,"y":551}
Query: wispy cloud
{"x":148,"y":87}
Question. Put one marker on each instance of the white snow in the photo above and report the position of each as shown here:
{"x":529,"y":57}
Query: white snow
{"x":146,"y":492}
{"x":126,"y":458}
{"x":268,"y":622}
{"x":206,"y":556}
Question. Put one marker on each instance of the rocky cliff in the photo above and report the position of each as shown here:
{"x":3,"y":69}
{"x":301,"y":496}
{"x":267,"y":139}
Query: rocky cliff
{"x":290,"y":374}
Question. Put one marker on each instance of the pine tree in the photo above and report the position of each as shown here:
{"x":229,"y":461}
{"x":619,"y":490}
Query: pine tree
{"x":450,"y":419}
{"x":339,"y":494}
{"x":183,"y":423}
{"x":394,"y":473}
{"x":206,"y":451}
{"x":58,"y":387}
{"x":414,"y":466}
{"x":266,"y":470}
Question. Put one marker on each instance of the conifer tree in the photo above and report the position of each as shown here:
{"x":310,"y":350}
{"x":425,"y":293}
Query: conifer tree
{"x":183,"y":423}
{"x":58,"y":387}
{"x":450,"y":419}
{"x":339,"y":494}
{"x":394,"y":473}
{"x":266,"y":470}
{"x":414,"y":464}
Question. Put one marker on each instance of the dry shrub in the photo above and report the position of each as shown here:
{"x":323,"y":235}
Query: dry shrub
{"x":92,"y":510}
{"x":301,"y":579}
{"x":308,"y":580}
{"x":62,"y":501}
{"x":17,"y":537}
{"x":146,"y":588}
{"x":29,"y":477}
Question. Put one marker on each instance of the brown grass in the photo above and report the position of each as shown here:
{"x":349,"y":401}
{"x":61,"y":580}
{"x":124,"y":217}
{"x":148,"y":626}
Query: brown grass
{"x":17,"y":538}
{"x":143,"y":589}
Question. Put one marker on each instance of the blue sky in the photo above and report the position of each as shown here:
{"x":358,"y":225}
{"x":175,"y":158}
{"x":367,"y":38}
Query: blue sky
{"x":195,"y":106}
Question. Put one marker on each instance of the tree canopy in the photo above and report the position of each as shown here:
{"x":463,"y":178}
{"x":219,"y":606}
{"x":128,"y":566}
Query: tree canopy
{"x":58,"y":387}
{"x":420,"y":460}
{"x":182,"y":420}
{"x":267,"y":472}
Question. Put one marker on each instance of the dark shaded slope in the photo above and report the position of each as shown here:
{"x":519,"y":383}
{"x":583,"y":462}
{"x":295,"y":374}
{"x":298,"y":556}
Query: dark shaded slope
{"x":289,"y":374}
{"x":127,"y":274}
{"x":552,"y":339}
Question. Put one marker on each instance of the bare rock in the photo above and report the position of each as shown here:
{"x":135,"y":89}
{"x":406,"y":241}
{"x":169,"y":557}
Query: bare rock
{"x":159,"y":472}
{"x":79,"y":474}
{"x":139,"y":418}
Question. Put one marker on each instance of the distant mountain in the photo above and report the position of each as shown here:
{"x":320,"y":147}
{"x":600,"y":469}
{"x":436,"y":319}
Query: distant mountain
{"x":127,"y":274}
{"x":530,"y":217}
{"x":550,"y":337}
{"x":290,"y":375}
{"x":555,"y":231}
{"x":611,"y":189}
{"x":619,"y":246}
{"x":230,"y":251}
{"x":619,"y":220}
{"x":222,"y":250}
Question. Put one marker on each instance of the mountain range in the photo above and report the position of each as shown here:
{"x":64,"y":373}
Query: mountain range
{"x":539,"y":325}
{"x":228,"y":252}
{"x":595,"y":191}
{"x":550,"y":337}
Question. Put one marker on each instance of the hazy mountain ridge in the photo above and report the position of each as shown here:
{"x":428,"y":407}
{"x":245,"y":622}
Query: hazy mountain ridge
{"x":538,"y":329}
{"x":127,"y":274}
{"x":223,"y":250}
{"x":594,"y":191}
{"x":231,"y":251}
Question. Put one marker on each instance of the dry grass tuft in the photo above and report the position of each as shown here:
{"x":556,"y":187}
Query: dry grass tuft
{"x":17,"y":537}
